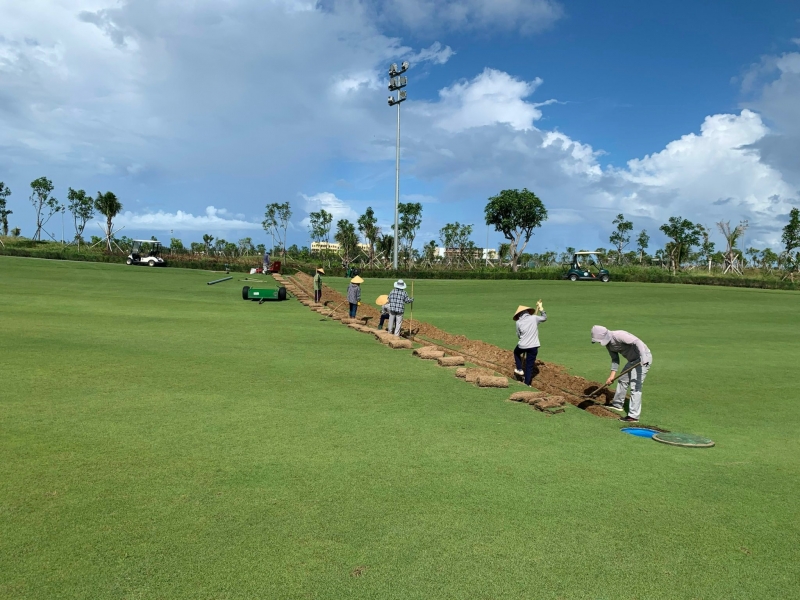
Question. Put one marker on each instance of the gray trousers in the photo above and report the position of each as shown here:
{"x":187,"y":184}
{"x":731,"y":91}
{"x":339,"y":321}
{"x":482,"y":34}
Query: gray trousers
{"x":633,"y":380}
{"x":395,"y":320}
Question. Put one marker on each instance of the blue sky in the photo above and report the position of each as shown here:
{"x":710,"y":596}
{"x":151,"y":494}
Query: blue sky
{"x":198,"y":114}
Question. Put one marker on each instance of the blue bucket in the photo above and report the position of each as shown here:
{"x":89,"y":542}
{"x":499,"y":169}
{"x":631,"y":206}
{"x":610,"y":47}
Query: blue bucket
{"x":639,"y":431}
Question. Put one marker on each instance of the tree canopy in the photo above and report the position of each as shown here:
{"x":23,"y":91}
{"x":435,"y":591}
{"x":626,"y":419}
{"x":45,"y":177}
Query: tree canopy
{"x":515,"y":213}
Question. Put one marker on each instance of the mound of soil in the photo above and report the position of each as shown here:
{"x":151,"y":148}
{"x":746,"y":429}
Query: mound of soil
{"x":548,"y":377}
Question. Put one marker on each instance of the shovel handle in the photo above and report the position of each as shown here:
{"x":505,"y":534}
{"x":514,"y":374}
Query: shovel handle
{"x":625,"y":372}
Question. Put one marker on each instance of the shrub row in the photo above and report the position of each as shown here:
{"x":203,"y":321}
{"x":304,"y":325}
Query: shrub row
{"x":628,"y":273}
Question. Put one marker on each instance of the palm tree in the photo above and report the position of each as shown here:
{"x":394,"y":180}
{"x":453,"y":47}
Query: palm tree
{"x":108,"y":205}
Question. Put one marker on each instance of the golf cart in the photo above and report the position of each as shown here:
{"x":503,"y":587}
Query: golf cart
{"x":151,"y":259}
{"x":590,"y":269}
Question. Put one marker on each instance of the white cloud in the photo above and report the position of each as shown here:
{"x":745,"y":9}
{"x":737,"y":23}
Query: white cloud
{"x":489,"y":98}
{"x":215,"y":220}
{"x":436,"y":54}
{"x":328,"y":201}
{"x":423,"y":16}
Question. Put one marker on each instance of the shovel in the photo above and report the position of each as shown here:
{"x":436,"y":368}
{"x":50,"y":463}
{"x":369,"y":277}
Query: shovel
{"x":330,"y":314}
{"x":602,"y":387}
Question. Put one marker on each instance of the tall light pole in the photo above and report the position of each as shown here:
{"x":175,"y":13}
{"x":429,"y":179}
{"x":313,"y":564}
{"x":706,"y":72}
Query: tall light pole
{"x":396,"y":82}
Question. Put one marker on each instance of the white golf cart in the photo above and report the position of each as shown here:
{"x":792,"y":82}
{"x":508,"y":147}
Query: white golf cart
{"x":146,"y":252}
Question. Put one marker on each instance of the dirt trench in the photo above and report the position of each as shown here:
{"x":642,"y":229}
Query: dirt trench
{"x":548,"y":377}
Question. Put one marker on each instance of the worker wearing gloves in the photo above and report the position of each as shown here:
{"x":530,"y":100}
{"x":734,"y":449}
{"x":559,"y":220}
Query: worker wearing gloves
{"x":318,"y":284}
{"x":397,"y":306}
{"x":354,"y":295}
{"x":639,"y":361}
{"x":528,"y":320}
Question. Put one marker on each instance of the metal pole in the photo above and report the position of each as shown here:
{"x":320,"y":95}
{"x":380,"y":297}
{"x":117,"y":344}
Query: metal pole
{"x":397,"y":190}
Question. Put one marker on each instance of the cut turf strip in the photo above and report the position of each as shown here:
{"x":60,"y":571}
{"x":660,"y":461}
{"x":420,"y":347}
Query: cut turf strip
{"x":548,"y":377}
{"x":492,"y":382}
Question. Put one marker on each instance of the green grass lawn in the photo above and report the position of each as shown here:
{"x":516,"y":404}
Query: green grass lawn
{"x":161,"y":438}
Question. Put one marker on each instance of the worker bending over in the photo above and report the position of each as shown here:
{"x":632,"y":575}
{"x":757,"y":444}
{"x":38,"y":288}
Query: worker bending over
{"x":639,"y":361}
{"x":528,"y":321}
{"x":397,"y":306}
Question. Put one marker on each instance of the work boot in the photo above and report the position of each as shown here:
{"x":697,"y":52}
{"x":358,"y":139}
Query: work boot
{"x":628,"y":419}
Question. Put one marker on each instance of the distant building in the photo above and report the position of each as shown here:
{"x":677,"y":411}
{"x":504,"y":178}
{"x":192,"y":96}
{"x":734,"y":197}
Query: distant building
{"x":317,"y":247}
{"x":477,"y":254}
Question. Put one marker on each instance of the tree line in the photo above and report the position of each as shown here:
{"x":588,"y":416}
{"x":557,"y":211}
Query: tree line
{"x":516,"y":214}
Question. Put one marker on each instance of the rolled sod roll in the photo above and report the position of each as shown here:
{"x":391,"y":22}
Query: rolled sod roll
{"x":492,"y":382}
{"x":451,"y":361}
{"x":473,"y":374}
{"x":349,"y":320}
{"x":428,"y":353}
{"x":527,"y":397}
{"x":550,"y":402}
{"x":462,"y":372}
{"x":399,"y":343}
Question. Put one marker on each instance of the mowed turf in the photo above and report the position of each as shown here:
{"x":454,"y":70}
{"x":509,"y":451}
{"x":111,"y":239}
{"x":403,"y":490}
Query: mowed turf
{"x":161,"y":438}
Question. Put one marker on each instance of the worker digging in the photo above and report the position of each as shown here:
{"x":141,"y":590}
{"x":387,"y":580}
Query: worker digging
{"x":354,"y":295}
{"x":398,"y":298}
{"x":639,"y":361}
{"x":528,"y":320}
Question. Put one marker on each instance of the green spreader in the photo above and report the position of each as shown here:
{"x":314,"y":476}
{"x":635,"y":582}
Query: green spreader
{"x":249,"y":293}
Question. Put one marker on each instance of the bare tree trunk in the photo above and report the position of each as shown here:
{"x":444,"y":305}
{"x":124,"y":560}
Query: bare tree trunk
{"x":108,"y":233}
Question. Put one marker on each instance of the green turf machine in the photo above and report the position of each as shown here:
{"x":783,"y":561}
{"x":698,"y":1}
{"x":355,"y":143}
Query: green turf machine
{"x":263,"y":294}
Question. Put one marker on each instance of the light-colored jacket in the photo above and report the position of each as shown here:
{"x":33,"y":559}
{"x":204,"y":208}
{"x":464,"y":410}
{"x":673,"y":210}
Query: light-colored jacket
{"x":354,"y":293}
{"x":621,"y":342}
{"x":528,"y":330}
{"x":317,"y":282}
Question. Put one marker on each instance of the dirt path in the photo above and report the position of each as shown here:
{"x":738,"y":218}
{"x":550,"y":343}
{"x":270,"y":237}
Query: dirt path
{"x":548,"y":377}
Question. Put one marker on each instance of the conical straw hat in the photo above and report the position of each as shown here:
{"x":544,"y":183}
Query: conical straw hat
{"x":356,"y":279}
{"x":321,"y":270}
{"x":381,"y":300}
{"x":521,"y":309}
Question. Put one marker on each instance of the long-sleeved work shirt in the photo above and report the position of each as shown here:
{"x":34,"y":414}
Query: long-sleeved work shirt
{"x":317,"y":282}
{"x":528,"y":330}
{"x":398,"y":300}
{"x":621,"y":342}
{"x":354,"y":293}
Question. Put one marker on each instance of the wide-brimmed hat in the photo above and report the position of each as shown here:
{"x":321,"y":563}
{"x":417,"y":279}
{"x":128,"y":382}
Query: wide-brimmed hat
{"x":521,"y":309}
{"x":600,"y":335}
{"x":400,"y":284}
{"x":320,"y":270}
{"x":356,"y":279}
{"x":381,"y":300}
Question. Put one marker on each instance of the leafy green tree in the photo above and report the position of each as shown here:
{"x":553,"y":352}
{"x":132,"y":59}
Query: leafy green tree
{"x":768,"y":259}
{"x":791,"y":242}
{"x":752,"y":256}
{"x":368,"y":226}
{"x":515,"y":213}
{"x":347,"y":238}
{"x":207,"y":240}
{"x":246,"y":246}
{"x":176,"y":246}
{"x":43,"y":202}
{"x":642,"y":243}
{"x":706,"y":246}
{"x":276,"y":221}
{"x":108,"y":205}
{"x":621,"y":236}
{"x":82,"y":208}
{"x":385,"y":246}
{"x":16,"y":232}
{"x":197,"y":247}
{"x":4,"y":212}
{"x":429,"y":252}
{"x":684,"y":234}
{"x":319,"y":225}
{"x":410,"y":220}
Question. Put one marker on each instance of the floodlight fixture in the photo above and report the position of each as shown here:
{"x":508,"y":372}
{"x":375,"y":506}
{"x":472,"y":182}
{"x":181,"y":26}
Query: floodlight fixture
{"x":396,"y":83}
